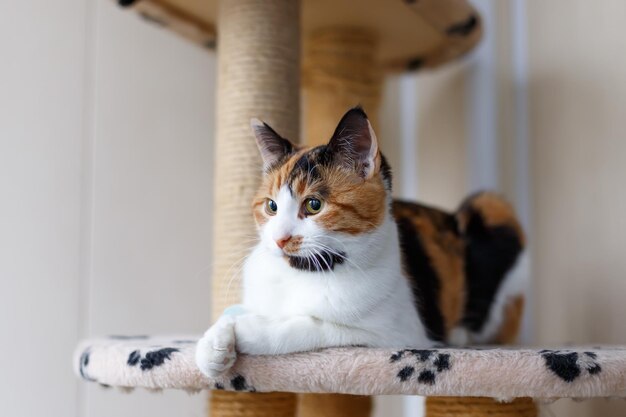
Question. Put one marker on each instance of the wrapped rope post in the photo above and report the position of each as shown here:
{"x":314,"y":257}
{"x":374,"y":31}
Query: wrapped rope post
{"x":258,"y":76}
{"x":339,"y":71}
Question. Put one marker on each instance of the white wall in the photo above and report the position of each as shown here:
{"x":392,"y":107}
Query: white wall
{"x":577,"y":86}
{"x":106,"y":127}
{"x":105,"y":183}
{"x":42,"y":74}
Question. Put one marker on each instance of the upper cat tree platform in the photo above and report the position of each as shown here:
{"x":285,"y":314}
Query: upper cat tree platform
{"x":157,"y":363}
{"x":410,"y":34}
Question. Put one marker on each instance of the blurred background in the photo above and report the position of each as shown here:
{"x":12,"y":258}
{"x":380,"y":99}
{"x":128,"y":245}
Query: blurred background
{"x":106,"y":129}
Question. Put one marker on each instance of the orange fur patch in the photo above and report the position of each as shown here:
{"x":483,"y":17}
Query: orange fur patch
{"x":352,"y":205}
{"x":495,"y":211}
{"x":445,"y":251}
{"x":293,"y":245}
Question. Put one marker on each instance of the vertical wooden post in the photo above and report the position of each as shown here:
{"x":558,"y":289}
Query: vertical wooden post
{"x":479,"y":407}
{"x":339,"y":72}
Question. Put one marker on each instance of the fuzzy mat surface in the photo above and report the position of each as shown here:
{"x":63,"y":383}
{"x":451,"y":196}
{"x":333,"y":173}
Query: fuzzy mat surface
{"x":168,"y":362}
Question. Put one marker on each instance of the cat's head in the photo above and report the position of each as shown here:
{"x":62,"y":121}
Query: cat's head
{"x":315,"y":205}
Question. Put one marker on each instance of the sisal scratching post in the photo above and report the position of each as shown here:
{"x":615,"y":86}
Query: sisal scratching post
{"x":258,"y":76}
{"x":339,"y":71}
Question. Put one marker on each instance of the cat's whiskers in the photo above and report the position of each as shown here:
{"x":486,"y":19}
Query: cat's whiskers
{"x":316,"y":264}
{"x":311,"y":253}
{"x":342,"y":255}
{"x":319,"y":254}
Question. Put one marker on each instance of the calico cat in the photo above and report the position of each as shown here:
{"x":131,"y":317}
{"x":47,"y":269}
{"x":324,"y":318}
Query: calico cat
{"x":339,"y":263}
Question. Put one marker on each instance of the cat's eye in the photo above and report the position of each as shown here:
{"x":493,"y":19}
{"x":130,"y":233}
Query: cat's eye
{"x":312,"y":205}
{"x":271,"y":207}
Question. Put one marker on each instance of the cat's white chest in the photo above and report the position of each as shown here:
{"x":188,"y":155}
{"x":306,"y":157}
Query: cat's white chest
{"x":273,"y":288}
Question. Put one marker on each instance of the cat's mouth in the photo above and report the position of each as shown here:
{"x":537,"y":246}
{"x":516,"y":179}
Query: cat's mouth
{"x":317,"y":262}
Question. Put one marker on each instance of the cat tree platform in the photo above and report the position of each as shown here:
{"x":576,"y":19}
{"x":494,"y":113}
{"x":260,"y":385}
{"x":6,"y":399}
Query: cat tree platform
{"x":409,"y":34}
{"x":168,"y":363}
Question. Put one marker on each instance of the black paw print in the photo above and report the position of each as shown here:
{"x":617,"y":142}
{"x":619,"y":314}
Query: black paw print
{"x":84,"y":364}
{"x":150,"y":359}
{"x":427,"y":364}
{"x":238,"y":383}
{"x":570,"y":365}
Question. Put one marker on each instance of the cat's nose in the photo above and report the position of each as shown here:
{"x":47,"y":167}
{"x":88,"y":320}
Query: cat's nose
{"x":283,"y":241}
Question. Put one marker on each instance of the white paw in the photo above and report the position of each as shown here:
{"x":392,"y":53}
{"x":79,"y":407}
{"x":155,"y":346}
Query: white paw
{"x":215,"y":352}
{"x":459,"y":336}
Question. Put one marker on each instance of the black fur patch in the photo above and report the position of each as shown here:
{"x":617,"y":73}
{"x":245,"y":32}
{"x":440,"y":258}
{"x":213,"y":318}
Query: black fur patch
{"x":219,"y":386}
{"x":321,"y":261}
{"x":126,"y":3}
{"x":385,"y":171}
{"x":463,"y":28}
{"x":280,"y":147}
{"x":424,"y":279}
{"x":490,"y":253}
{"x":305,"y":167}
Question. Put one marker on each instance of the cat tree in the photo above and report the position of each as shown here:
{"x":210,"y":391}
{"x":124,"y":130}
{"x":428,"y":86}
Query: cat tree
{"x":348,"y":47}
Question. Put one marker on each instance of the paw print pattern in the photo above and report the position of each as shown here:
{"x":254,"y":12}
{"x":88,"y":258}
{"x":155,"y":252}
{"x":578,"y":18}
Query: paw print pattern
{"x":570,"y":365}
{"x":239,"y":383}
{"x":150,"y":359}
{"x":84,"y":364}
{"x":422,"y":364}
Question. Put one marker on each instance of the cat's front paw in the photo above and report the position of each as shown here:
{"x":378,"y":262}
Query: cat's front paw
{"x":215,"y":352}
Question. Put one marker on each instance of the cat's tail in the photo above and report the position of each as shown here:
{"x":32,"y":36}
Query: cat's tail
{"x":494,"y":241}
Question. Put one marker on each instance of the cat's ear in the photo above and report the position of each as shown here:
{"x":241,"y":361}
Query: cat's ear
{"x":273,"y":147}
{"x":354,"y":143}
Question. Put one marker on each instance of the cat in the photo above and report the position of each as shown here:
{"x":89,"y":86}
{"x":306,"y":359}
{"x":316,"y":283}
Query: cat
{"x":340,"y":263}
